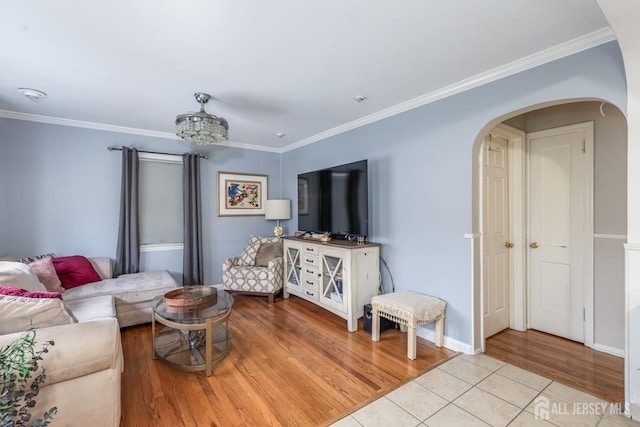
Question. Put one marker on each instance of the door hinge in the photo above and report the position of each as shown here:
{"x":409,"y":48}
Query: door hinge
{"x":583,"y":315}
{"x":584,"y":146}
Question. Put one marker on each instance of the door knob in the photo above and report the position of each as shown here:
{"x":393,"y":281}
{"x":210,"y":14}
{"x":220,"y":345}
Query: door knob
{"x":533,"y":245}
{"x":508,"y":244}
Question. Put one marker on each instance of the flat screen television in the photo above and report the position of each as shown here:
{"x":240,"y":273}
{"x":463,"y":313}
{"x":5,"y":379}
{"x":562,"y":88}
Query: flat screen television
{"x":335,"y":200}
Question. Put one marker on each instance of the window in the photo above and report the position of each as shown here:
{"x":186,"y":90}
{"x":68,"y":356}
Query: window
{"x":160,"y":202}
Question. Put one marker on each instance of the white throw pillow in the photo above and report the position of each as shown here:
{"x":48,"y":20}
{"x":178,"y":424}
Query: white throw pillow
{"x":19,"y":275}
{"x":18,"y":313}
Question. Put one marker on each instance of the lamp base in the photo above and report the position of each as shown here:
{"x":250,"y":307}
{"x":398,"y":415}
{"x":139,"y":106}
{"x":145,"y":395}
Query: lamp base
{"x":277,"y":231}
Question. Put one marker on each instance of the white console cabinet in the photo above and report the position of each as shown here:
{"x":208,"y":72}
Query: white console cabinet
{"x":338,"y":276}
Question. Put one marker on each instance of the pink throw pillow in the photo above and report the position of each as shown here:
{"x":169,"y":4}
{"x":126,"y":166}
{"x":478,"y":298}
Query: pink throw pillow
{"x":47,"y":274}
{"x":75,"y":271}
{"x":17,"y":292}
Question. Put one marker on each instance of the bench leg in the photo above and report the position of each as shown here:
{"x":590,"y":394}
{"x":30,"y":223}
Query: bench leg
{"x":411,"y":338}
{"x":375,"y":325}
{"x":440,"y":332}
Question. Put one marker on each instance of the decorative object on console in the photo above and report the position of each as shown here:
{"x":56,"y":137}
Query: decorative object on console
{"x":320,"y":237}
{"x":277,"y":209}
{"x":201,"y":127}
{"x":241,"y":194}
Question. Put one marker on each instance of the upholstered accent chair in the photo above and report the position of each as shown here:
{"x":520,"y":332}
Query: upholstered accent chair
{"x":259,"y":270}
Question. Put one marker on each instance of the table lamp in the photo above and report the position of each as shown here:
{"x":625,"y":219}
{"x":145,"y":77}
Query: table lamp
{"x":277,"y":209}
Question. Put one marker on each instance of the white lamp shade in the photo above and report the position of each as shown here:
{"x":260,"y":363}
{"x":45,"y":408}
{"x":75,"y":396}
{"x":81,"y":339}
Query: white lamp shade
{"x":278,"y":209}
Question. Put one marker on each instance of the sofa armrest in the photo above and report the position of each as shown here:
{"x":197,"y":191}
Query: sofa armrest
{"x":103,"y":266}
{"x":79,"y":349}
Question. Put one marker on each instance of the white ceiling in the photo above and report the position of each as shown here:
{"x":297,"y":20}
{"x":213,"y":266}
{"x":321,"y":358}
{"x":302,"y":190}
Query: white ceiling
{"x":285,"y":66}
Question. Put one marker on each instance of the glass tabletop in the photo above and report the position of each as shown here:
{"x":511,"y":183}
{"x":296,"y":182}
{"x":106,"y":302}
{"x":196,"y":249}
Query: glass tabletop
{"x":196,"y":313}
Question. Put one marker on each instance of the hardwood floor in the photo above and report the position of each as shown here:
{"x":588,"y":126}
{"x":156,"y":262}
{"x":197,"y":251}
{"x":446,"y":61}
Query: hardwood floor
{"x":567,"y":362}
{"x":291,"y":363}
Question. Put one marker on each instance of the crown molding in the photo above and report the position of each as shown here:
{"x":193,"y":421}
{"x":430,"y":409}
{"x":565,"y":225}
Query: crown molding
{"x":121,"y":129}
{"x":562,"y":50}
{"x":81,"y":124}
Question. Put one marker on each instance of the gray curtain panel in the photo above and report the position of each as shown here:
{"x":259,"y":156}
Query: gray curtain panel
{"x":192,"y":269}
{"x":128,"y":251}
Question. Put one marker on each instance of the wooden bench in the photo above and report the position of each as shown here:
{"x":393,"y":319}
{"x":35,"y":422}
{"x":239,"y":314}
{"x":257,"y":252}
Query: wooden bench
{"x":409,"y":309}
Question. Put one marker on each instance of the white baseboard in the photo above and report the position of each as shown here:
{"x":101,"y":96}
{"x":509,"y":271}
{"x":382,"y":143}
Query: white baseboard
{"x":611,"y":350}
{"x":450,"y":343}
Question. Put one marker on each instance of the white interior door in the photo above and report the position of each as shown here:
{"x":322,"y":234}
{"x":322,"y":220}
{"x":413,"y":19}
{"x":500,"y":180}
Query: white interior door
{"x":495,"y":235}
{"x":557,"y":228}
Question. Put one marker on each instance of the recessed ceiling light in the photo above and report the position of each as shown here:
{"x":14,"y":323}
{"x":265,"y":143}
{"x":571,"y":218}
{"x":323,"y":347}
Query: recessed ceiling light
{"x":280,"y":134}
{"x":359,"y":98}
{"x":32,"y":94}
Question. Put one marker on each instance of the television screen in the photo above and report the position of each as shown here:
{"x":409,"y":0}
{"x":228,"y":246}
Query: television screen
{"x":335,"y":200}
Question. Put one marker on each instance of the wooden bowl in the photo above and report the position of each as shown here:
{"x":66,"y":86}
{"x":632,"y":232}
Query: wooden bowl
{"x":189,"y":296}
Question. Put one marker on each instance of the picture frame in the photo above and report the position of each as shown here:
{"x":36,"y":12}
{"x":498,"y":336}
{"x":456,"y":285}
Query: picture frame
{"x":303,"y":196}
{"x":241,"y":194}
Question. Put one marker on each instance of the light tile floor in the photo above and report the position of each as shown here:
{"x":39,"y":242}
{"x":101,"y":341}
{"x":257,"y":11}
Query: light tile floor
{"x":482,"y":391}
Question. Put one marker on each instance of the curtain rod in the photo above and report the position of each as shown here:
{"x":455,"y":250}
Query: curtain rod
{"x":111,"y":148}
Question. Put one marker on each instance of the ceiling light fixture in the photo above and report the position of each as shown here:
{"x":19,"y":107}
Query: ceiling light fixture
{"x":359,"y":98}
{"x":32,"y":94}
{"x":201,"y":127}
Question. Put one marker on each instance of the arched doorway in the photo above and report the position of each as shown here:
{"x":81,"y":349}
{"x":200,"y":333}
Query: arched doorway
{"x":607,"y":234}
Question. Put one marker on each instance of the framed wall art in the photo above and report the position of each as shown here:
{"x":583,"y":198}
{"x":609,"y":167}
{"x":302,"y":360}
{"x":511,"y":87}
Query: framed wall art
{"x":241,"y":194}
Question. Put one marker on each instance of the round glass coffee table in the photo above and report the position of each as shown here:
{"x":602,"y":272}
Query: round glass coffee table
{"x":193,"y":337}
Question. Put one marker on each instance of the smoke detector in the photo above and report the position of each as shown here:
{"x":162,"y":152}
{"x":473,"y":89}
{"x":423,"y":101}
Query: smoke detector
{"x":32,"y":94}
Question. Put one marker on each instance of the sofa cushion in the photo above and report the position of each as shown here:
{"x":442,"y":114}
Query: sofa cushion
{"x":75,"y":271}
{"x":19,"y":275}
{"x":47,"y":274}
{"x":19,"y":313}
{"x":126,"y":287}
{"x":267,"y":252}
{"x":93,"y":308}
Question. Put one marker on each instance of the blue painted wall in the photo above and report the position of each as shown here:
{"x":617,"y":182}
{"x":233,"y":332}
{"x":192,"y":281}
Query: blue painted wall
{"x":60,"y":186}
{"x":420,"y":171}
{"x":60,"y":193}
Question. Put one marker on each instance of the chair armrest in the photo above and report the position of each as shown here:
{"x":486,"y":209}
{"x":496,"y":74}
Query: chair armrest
{"x":230,"y":262}
{"x":103,"y":266}
{"x":276,"y":264}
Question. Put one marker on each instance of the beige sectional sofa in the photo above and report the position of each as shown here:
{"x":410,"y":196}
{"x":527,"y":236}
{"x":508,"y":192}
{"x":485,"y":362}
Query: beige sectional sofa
{"x":84,"y":366}
{"x":132,"y":293}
